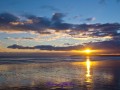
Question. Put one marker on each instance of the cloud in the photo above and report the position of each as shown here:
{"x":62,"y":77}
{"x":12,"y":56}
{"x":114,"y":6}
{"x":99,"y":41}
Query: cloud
{"x":111,"y":46}
{"x":57,"y":17}
{"x":39,"y":38}
{"x":15,"y":46}
{"x":6,"y":18}
{"x":19,"y":39}
{"x":91,"y":19}
{"x":46,"y":47}
{"x":43,"y":25}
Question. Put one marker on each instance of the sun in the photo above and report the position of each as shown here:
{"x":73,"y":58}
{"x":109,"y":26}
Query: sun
{"x":87,"y":51}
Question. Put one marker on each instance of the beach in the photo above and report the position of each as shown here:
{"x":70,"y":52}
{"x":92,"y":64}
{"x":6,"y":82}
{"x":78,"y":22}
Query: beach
{"x":52,"y":74}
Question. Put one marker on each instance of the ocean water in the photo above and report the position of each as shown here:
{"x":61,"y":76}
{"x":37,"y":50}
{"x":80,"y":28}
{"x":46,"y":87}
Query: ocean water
{"x":60,"y":73}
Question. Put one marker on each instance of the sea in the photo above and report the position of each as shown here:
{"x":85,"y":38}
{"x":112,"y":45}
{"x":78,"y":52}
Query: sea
{"x":60,"y":73}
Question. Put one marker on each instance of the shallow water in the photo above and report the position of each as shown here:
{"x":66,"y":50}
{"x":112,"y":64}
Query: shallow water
{"x":62,"y":73}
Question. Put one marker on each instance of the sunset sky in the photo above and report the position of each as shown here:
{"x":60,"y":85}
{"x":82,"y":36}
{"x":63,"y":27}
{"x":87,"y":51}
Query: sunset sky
{"x":59,"y":25}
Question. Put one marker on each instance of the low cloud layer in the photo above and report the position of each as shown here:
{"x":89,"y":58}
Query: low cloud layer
{"x":46,"y":47}
{"x":111,"y":46}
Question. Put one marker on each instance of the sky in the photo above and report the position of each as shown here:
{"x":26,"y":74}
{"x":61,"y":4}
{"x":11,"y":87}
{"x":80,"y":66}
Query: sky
{"x":59,"y":25}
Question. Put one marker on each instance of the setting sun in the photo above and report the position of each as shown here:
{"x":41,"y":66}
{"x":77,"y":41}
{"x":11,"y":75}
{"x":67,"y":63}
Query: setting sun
{"x":88,"y":51}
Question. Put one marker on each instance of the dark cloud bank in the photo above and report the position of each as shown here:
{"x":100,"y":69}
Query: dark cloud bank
{"x":112,"y":46}
{"x":46,"y":47}
{"x":10,"y":22}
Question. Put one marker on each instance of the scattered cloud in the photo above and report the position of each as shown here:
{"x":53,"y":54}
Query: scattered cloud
{"x":91,"y":19}
{"x":54,"y":25}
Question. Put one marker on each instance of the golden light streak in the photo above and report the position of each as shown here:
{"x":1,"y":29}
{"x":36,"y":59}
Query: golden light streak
{"x":88,"y":66}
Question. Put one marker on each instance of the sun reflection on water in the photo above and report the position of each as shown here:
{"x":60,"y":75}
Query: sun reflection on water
{"x":88,"y":65}
{"x":88,"y":76}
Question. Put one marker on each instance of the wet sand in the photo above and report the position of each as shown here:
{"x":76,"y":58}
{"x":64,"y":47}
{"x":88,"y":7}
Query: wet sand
{"x":86,"y":75}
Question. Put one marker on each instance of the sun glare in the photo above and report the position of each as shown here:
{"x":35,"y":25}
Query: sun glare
{"x":88,"y":51}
